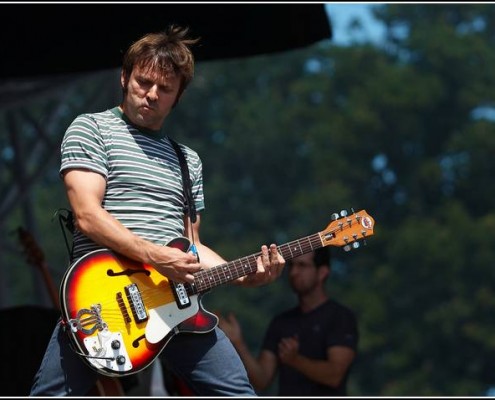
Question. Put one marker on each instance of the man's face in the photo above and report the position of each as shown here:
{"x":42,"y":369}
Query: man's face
{"x":150,"y":96}
{"x":303,"y":274}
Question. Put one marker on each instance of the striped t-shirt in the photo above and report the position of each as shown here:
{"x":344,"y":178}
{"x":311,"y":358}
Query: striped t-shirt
{"x":144,"y":182}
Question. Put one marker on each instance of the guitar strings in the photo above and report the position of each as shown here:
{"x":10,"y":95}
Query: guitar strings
{"x":112,"y":308}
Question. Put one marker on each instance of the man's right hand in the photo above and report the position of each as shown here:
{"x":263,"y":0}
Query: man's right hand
{"x":231,"y":327}
{"x":175,"y":264}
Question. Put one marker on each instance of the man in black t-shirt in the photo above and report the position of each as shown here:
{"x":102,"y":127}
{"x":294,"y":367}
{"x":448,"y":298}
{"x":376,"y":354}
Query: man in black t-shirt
{"x":312,"y":345}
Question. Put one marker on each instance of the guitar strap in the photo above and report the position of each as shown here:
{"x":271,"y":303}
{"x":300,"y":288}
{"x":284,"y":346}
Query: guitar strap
{"x":187,"y":187}
{"x":66,"y":224}
{"x":186,"y":180}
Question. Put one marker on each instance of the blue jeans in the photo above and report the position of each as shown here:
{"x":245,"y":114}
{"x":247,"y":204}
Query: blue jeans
{"x":206,"y":362}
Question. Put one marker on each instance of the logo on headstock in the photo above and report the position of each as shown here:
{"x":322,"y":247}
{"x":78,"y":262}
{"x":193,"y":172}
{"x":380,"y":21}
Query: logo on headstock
{"x":366,"y":222}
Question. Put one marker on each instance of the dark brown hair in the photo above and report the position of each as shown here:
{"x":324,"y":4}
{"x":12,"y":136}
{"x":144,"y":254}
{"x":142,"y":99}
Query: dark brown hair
{"x":321,"y":257}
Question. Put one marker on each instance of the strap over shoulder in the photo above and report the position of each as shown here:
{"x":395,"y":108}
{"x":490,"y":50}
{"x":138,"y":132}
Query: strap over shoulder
{"x":186,"y":180}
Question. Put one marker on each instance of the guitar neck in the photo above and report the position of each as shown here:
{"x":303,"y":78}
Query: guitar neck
{"x":340,"y":232}
{"x":232,"y":270}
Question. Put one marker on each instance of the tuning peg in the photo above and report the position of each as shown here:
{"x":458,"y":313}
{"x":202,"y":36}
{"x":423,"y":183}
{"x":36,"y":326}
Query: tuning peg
{"x":355,"y":245}
{"x":334,"y":217}
{"x":347,"y":247}
{"x":343,"y":213}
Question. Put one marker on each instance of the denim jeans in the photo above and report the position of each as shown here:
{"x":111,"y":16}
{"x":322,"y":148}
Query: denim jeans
{"x":206,"y":362}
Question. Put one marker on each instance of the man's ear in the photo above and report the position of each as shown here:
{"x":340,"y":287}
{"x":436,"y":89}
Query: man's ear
{"x":324,"y":272}
{"x":123,"y":80}
{"x":180,"y":92}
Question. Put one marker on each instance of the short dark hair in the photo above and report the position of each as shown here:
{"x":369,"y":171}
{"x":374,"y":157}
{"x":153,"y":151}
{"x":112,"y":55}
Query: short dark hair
{"x":322,"y":257}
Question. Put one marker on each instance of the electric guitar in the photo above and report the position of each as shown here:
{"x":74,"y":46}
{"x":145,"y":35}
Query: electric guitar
{"x":120,"y":314}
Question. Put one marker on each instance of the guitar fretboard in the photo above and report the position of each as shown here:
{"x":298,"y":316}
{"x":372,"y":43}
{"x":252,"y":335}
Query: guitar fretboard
{"x":232,"y":270}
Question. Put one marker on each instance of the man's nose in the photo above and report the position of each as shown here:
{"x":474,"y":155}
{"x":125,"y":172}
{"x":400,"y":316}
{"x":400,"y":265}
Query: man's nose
{"x":152,"y":93}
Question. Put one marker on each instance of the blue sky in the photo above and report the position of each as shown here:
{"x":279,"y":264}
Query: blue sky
{"x":341,"y":14}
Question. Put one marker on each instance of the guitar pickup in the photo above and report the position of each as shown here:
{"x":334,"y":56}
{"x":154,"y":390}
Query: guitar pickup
{"x":136,"y":302}
{"x":180,"y":293}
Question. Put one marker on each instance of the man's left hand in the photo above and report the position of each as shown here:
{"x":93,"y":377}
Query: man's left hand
{"x":270,"y":266}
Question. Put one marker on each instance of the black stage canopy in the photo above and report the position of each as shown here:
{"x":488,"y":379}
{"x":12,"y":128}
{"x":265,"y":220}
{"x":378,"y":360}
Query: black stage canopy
{"x":64,"y":38}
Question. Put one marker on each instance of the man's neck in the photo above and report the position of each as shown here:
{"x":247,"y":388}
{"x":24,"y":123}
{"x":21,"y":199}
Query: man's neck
{"x":310,"y":301}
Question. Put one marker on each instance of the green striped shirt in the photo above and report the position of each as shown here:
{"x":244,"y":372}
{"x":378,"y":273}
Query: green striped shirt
{"x":144,"y":182}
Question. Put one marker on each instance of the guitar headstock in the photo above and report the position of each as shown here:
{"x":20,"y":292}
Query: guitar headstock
{"x":33,"y":252}
{"x":348,"y":230}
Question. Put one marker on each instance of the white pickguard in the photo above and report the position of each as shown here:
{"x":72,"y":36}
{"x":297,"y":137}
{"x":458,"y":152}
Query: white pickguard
{"x":165,"y":318}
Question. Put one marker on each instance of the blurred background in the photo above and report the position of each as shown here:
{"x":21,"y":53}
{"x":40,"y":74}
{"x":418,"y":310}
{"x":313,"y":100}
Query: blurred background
{"x":387,"y":108}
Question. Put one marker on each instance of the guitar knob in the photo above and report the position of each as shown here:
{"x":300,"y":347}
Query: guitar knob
{"x":115,"y":344}
{"x":120,"y":360}
{"x":334,"y":217}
